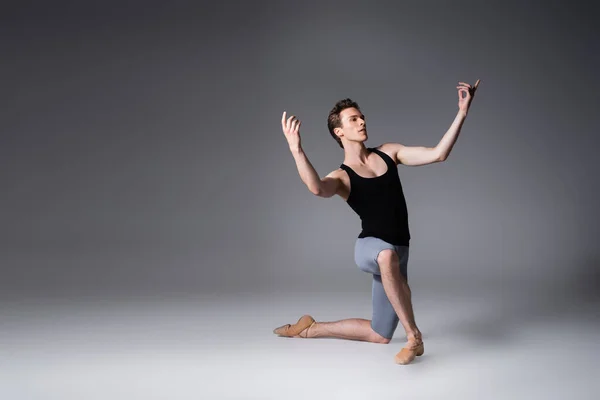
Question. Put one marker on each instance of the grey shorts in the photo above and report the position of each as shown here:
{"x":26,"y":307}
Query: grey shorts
{"x":366,"y":250}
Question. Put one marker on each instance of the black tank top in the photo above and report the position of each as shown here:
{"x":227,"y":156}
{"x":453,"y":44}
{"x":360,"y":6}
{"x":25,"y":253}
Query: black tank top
{"x":380,"y":203}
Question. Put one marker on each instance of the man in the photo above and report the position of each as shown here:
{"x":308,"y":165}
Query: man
{"x":368,"y":181}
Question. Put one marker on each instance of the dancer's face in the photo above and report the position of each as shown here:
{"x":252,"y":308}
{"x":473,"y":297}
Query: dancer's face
{"x":354,"y":127}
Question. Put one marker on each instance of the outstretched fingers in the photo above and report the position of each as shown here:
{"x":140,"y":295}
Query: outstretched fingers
{"x":290,"y":124}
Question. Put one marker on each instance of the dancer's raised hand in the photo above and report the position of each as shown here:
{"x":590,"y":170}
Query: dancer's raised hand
{"x":466,"y":93}
{"x":291,"y":130}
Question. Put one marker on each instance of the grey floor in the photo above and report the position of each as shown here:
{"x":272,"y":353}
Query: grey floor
{"x":486,"y":345}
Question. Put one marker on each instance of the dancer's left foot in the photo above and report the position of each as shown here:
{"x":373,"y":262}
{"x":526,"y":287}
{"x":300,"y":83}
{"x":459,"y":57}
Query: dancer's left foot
{"x":413,"y":348}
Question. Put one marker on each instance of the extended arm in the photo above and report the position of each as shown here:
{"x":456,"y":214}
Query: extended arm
{"x":419,"y":155}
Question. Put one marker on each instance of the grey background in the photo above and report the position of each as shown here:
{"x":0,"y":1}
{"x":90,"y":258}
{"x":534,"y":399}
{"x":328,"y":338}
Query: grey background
{"x":141,"y":151}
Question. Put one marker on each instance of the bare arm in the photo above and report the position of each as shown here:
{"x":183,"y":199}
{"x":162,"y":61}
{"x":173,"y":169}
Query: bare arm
{"x":325,"y":187}
{"x":419,"y":155}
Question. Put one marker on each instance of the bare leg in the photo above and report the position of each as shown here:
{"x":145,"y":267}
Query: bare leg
{"x":398,"y":292}
{"x":352,"y":329}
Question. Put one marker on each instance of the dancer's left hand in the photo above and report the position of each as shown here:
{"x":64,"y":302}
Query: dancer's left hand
{"x":466,"y":93}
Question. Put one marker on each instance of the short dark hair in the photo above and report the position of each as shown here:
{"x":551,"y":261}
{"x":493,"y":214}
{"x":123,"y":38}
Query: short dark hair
{"x":334,"y":121}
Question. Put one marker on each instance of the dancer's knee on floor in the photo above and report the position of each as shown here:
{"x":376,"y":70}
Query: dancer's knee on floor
{"x":377,"y":338}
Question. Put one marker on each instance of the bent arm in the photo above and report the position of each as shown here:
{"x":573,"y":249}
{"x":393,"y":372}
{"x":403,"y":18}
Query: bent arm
{"x":420,"y":155}
{"x":325,"y":187}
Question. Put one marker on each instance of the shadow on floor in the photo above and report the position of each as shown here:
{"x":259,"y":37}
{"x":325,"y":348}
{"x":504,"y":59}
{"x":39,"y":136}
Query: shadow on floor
{"x":514,"y":307}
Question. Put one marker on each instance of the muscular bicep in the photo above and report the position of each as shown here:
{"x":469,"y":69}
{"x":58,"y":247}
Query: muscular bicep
{"x":414,"y":155}
{"x":329,"y":186}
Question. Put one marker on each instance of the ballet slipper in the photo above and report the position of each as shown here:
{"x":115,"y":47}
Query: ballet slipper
{"x":409,"y":352}
{"x":287,"y":330}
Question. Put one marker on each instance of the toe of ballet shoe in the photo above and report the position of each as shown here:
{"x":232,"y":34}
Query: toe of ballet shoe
{"x":407,"y":355}
{"x":281,"y":330}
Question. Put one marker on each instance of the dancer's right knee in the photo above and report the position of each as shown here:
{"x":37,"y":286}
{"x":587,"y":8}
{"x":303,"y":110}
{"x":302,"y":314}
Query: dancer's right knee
{"x":387,"y":259}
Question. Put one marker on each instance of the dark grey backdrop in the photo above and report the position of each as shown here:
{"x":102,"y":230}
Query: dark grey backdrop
{"x":141,"y":149}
